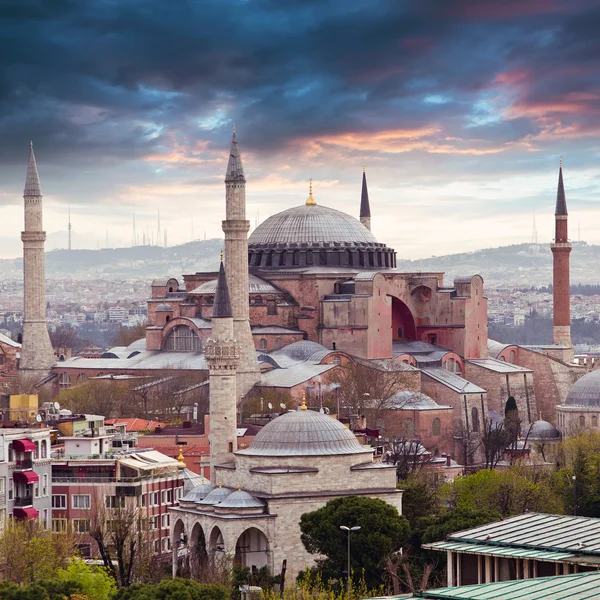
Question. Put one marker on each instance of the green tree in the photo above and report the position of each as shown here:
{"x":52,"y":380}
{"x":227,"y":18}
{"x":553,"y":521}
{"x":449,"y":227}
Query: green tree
{"x":419,"y":497}
{"x":383,"y":532}
{"x":94,"y":582}
{"x":174,"y":589}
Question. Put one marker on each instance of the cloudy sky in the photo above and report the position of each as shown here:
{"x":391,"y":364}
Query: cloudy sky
{"x":460,"y":110}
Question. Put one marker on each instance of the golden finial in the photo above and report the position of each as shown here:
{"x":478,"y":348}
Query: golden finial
{"x":180,"y":457}
{"x":220,"y":484}
{"x":203,"y":480}
{"x":304,"y":407}
{"x":561,"y":162}
{"x":239,"y":488}
{"x":310,"y":201}
{"x":221,"y":254}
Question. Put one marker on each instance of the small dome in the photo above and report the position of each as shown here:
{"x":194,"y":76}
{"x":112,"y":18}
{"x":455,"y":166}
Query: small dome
{"x":241,"y":499}
{"x":586,"y":391}
{"x":198,"y":492}
{"x":164,"y":307}
{"x":542,"y":430}
{"x":216,"y":496}
{"x":304,"y":433}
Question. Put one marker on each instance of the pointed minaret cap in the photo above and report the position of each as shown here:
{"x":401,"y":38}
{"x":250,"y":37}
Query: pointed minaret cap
{"x":310,"y":201}
{"x":235,"y":168}
{"x":365,"y":208}
{"x":222,"y":304}
{"x":561,"y":200}
{"x":32,"y":181}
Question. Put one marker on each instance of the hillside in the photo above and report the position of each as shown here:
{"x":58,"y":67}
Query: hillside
{"x":523,"y":264}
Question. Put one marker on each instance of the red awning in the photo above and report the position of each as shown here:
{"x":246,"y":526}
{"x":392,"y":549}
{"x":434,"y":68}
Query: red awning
{"x":26,"y":477}
{"x":26,"y":513}
{"x":24,"y":446}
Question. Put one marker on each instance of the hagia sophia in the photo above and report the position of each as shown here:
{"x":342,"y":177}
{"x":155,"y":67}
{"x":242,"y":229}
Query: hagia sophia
{"x":309,"y":293}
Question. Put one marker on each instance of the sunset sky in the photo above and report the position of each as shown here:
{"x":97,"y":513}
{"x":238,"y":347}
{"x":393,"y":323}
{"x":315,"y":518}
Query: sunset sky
{"x":460,"y":110}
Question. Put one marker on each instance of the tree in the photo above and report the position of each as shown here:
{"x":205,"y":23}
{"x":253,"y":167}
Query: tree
{"x":94,"y":582}
{"x":128,"y":335}
{"x":419,"y":496}
{"x":29,"y":552}
{"x":408,"y":456}
{"x":383,"y":532}
{"x":174,"y":589}
{"x":65,"y":336}
{"x":99,"y":397}
{"x":366,"y":387}
{"x":494,"y":439}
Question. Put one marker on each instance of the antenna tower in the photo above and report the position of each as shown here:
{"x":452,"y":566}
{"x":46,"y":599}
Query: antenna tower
{"x":69,"y":226}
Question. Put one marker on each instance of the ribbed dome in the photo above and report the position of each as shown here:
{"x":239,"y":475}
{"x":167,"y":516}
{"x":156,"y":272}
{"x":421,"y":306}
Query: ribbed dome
{"x":241,"y":499}
{"x":198,"y":493}
{"x":304,"y":433}
{"x":542,"y":430}
{"x":311,"y":224}
{"x":216,"y":496}
{"x":586,"y":391}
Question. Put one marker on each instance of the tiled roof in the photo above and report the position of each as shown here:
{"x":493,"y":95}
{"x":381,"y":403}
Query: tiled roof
{"x":134,"y":424}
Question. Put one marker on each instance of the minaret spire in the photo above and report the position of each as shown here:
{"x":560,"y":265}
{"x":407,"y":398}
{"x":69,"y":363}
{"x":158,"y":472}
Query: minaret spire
{"x":37,"y":355}
{"x":365,"y":208}
{"x":561,"y":249}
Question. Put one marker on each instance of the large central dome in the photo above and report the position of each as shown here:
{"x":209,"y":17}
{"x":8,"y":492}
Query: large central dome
{"x":311,"y":224}
{"x":316,"y":236}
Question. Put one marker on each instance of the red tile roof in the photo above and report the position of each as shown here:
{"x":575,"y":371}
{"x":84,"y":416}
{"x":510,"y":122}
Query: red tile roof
{"x":136,"y":424}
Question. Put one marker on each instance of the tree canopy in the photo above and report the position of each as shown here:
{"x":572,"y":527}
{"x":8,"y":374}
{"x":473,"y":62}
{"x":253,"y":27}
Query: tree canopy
{"x":174,"y":589}
{"x":382,"y":532}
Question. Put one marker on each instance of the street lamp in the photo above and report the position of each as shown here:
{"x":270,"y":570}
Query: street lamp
{"x":349,"y":530}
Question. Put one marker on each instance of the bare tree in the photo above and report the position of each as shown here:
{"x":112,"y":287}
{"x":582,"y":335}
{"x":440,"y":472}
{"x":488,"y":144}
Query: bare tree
{"x":409,"y":456}
{"x":65,"y":336}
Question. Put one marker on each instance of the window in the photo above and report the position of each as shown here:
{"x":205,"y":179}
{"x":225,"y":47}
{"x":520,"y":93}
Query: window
{"x":271,"y":307}
{"x":230,"y":446}
{"x":59,"y":525}
{"x":44,"y":450}
{"x":2,"y":485}
{"x":45,"y":517}
{"x":400,"y":332}
{"x":594,"y":421}
{"x":262,"y":344}
{"x":156,"y":498}
{"x":36,"y":490}
{"x":81,"y":525}
{"x":165,"y":521}
{"x":156,"y":546}
{"x":143,"y":500}
{"x":164,"y":496}
{"x":59,"y":501}
{"x":512,"y":357}
{"x":582,"y":421}
{"x":155,"y":522}
{"x":2,"y":517}
{"x":114,"y":501}
{"x":64,"y":381}
{"x":85,"y":550}
{"x":432,"y":338}
{"x":278,"y":343}
{"x":81,"y":501}
{"x":436,"y":427}
{"x":81,"y":378}
{"x":183,"y":339}
{"x":10,"y":489}
{"x":45,"y":484}
{"x":409,"y":428}
{"x":475,"y":419}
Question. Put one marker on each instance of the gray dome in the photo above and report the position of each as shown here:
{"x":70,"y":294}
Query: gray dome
{"x":311,"y":224}
{"x":164,"y":307}
{"x":216,"y":496}
{"x":241,"y":499}
{"x":586,"y":391}
{"x":198,"y":493}
{"x":542,"y":430}
{"x":304,"y":433}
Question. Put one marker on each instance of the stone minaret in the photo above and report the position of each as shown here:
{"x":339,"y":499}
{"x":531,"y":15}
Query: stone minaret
{"x":236,"y":229}
{"x":365,"y":208}
{"x":222,"y":354}
{"x":561,"y":249}
{"x":36,"y":352}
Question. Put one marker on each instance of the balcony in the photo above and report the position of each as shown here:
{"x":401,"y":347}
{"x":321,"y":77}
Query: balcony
{"x":23,"y":464}
{"x":24,"y":501}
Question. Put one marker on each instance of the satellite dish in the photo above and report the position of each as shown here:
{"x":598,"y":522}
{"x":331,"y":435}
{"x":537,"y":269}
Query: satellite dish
{"x":283,"y":405}
{"x":270,"y":406}
{"x":57,"y":406}
{"x":38,"y":418}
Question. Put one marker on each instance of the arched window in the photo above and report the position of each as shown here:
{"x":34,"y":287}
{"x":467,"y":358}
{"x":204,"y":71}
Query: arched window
{"x":1,"y":358}
{"x":183,"y":339}
{"x":581,"y":421}
{"x":475,"y":419}
{"x":502,"y":359}
{"x":512,"y":357}
{"x":409,"y":428}
{"x":452,"y":365}
{"x":436,"y":427}
{"x":594,"y":421}
{"x":400,"y":332}
{"x":81,"y":378}
{"x":64,"y":381}
{"x":44,"y":449}
{"x":278,"y":343}
{"x":262,"y":344}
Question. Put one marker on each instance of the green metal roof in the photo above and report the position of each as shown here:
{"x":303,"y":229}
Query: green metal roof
{"x":581,"y":586}
{"x":501,"y":551}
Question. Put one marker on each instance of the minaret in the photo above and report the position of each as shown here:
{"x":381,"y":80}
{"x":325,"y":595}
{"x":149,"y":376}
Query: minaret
{"x":222,"y":354}
{"x":69,"y":226}
{"x":36,"y":351}
{"x":561,"y":248}
{"x":236,"y":229}
{"x":365,"y":209}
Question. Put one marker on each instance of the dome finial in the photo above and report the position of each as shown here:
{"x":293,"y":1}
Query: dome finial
{"x":310,"y":201}
{"x":180,"y":457}
{"x":560,"y":162}
{"x":221,"y":254}
{"x":220,"y":484}
{"x":303,"y":406}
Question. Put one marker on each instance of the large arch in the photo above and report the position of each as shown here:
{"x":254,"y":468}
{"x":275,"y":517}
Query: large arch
{"x":403,"y":322}
{"x":252,"y":549}
{"x":180,"y":551}
{"x":198,"y":552}
{"x":216,"y":544}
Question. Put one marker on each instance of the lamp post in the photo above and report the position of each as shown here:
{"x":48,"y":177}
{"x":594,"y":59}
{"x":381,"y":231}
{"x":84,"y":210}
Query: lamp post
{"x":574,"y":495}
{"x":349,"y":530}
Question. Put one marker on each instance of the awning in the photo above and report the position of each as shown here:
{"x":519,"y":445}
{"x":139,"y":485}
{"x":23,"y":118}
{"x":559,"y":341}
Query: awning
{"x":26,"y":513}
{"x":24,"y":446}
{"x":26,"y":477}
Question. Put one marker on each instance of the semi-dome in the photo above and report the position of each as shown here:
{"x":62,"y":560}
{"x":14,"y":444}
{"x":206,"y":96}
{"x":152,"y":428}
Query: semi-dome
{"x":313,"y":235}
{"x":304,"y":433}
{"x":542,"y":430}
{"x":586,"y":391}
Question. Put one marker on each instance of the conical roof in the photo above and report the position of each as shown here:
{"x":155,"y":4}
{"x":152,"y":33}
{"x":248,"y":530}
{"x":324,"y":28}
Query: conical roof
{"x":222,"y":303}
{"x":561,"y":200}
{"x":235,"y":168}
{"x":32,"y":181}
{"x":365,"y":208}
